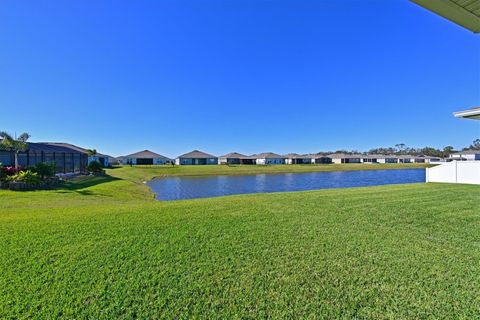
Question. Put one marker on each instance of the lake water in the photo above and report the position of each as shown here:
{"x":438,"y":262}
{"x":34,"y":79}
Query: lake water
{"x":177,"y":188}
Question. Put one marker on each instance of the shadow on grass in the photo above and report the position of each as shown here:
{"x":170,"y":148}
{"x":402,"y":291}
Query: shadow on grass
{"x":83,"y":182}
{"x":114,"y":167}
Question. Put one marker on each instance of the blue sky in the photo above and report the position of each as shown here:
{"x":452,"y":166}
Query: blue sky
{"x":236,"y":75}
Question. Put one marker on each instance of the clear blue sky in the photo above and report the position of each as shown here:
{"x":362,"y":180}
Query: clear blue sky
{"x":236,"y":75}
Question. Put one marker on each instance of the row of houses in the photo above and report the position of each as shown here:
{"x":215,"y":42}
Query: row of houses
{"x":70,"y":158}
{"x":197,"y":157}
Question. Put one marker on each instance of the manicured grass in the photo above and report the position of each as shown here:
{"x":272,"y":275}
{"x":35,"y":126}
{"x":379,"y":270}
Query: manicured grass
{"x":142,"y":173}
{"x":102,"y":248}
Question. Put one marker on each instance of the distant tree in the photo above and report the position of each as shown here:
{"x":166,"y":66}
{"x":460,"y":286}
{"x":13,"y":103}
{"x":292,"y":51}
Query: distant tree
{"x":92,"y":152}
{"x":432,"y":152}
{"x":16,"y":145}
{"x":382,"y":150}
{"x":448,"y":150}
{"x":475,"y":145}
{"x":400,"y":147}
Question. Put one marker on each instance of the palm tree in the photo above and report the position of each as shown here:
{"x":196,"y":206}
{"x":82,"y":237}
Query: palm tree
{"x":400,"y":147}
{"x":16,"y":145}
{"x":92,"y":152}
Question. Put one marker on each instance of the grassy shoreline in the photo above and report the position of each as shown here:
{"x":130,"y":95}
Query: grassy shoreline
{"x":145,"y":173}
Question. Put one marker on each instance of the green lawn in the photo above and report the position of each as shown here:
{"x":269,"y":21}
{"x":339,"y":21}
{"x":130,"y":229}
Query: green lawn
{"x":103,"y":248}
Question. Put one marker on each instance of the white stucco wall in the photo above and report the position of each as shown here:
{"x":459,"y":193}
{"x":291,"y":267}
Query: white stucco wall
{"x":270,"y":161}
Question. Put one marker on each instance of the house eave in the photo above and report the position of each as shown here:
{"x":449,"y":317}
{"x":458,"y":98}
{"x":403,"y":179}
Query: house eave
{"x":468,"y":114}
{"x":454,"y":12}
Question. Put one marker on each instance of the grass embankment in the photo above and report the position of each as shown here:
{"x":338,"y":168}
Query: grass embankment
{"x":142,"y":173}
{"x":103,"y":248}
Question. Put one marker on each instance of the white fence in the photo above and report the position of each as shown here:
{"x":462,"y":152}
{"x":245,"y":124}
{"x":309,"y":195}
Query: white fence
{"x":455,"y":172}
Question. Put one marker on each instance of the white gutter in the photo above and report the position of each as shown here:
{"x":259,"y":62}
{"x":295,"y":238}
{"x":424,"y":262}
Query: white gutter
{"x":468,"y":114}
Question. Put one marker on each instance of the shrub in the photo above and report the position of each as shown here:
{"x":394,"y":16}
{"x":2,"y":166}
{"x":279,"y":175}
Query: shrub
{"x":44,"y":170}
{"x":3,"y":173}
{"x":10,"y":170}
{"x":95,"y":167}
{"x":27,"y":176}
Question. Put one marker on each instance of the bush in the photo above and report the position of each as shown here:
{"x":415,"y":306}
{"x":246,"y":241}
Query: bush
{"x":28,"y":177}
{"x":44,"y":170}
{"x":3,"y":173}
{"x":10,"y":171}
{"x":95,"y":167}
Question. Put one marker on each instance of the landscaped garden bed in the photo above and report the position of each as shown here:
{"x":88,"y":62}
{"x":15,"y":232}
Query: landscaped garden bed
{"x":38,"y":177}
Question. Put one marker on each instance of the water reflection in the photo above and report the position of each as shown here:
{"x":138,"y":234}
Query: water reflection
{"x":175,"y":188}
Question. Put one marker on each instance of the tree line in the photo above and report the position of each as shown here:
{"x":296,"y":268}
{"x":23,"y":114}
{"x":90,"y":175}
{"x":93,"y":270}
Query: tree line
{"x":402,"y":149}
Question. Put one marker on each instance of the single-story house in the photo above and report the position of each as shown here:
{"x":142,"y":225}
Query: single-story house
{"x":102,"y":158}
{"x":320,"y":159}
{"x":113,"y":161}
{"x":373,"y":158}
{"x":295,"y":158}
{"x":421,"y":159}
{"x":145,"y":157}
{"x":426,"y":159}
{"x":466,"y":155}
{"x":196,"y":157}
{"x":66,"y":159}
{"x":433,"y":159}
{"x":379,"y":158}
{"x":119,"y":160}
{"x":388,"y":158}
{"x":346,"y":158}
{"x":268,"y":158}
{"x":235,"y":158}
{"x":406,"y":159}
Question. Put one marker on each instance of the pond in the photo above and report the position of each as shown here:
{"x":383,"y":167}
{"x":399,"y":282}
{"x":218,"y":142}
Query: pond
{"x":177,"y":188}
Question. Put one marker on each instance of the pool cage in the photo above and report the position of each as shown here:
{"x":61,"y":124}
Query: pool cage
{"x":66,"y":160}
